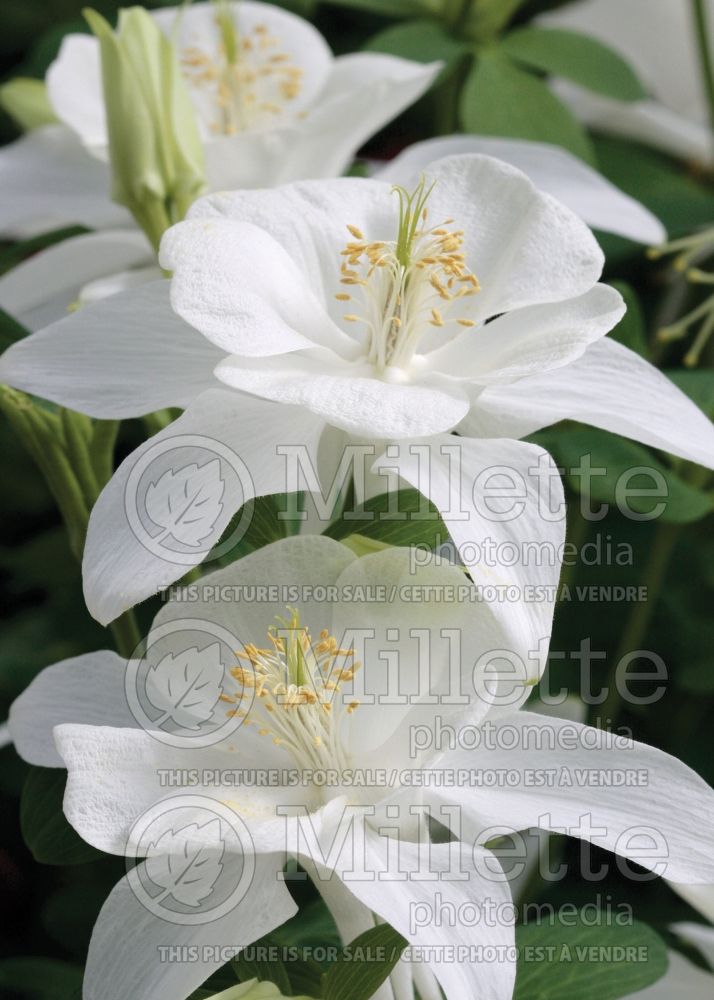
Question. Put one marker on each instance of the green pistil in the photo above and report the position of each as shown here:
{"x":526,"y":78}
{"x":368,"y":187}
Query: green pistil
{"x":412,"y":209}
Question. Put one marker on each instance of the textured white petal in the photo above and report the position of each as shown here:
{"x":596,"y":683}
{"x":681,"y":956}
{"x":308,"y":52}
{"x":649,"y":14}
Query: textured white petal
{"x":395,"y":902}
{"x":74,"y":87}
{"x":671,"y":800}
{"x":523,"y":245}
{"x":121,"y":357}
{"x":552,"y":169}
{"x":48,"y":177}
{"x":502,"y":502}
{"x":239,"y":287}
{"x":530,"y":340}
{"x":122,"y":565}
{"x":42,"y":288}
{"x":350,"y":396}
{"x":128,"y":941}
{"x":610,"y":387}
{"x":85,"y":689}
{"x":309,"y":219}
{"x":115,"y":790}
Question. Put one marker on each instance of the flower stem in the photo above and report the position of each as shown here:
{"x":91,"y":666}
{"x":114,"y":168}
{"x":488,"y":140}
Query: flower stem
{"x":666,"y":536}
{"x":126,"y":634}
{"x":705,"y":56}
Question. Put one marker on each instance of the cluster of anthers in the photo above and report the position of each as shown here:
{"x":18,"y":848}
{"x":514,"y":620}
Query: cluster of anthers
{"x":690,"y":251}
{"x":291,"y":687}
{"x":407,"y":284}
{"x":250,"y":81}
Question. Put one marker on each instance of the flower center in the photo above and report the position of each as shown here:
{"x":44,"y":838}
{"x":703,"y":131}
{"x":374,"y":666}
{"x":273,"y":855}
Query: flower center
{"x":406,"y":285}
{"x":248,"y":81}
{"x":293,"y":686}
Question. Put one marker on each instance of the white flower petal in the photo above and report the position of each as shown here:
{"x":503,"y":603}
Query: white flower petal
{"x":530,"y":340}
{"x":700,"y":935}
{"x":610,"y":387}
{"x":671,"y":801}
{"x":417,"y":626}
{"x":523,"y":245}
{"x":121,"y":565}
{"x":309,"y":219}
{"x":302,"y":561}
{"x":121,"y":357}
{"x":85,"y":689}
{"x":239,"y":287}
{"x":48,"y":177}
{"x":74,"y":87}
{"x":552,"y":169}
{"x":128,"y":940}
{"x":364,"y":92}
{"x":350,"y":396}
{"x":42,"y":288}
{"x":648,"y":122}
{"x":114,"y":781}
{"x":119,"y":281}
{"x":395,"y":901}
{"x":504,"y":498}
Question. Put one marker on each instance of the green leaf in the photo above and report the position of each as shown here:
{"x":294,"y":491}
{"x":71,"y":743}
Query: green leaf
{"x":10,"y":330}
{"x":12,"y":255}
{"x":631,"y":330}
{"x":576,"y":57}
{"x":422,"y":41}
{"x":363,"y":965}
{"x":675,"y":196}
{"x":698,"y":384}
{"x":401,"y":518}
{"x":264,"y":526}
{"x":266,"y":971}
{"x":587,"y":962}
{"x":40,"y":978}
{"x":45,"y":830}
{"x":500,"y":99}
{"x":616,"y":486}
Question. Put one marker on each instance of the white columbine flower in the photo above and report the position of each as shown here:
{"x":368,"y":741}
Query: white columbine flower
{"x":334,"y":312}
{"x":281,"y":108}
{"x":657,"y":37}
{"x":356,"y":700}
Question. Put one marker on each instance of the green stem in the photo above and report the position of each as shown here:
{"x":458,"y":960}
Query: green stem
{"x":665,"y":539}
{"x":101,"y":449}
{"x":126,"y":634}
{"x":705,"y":56}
